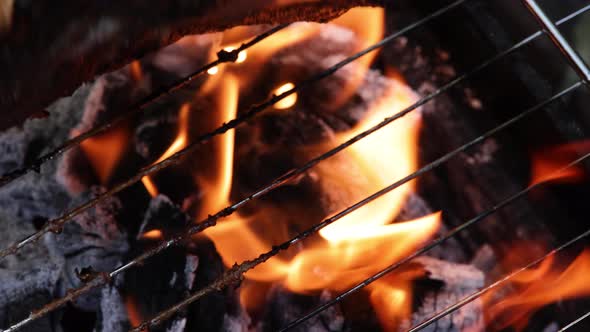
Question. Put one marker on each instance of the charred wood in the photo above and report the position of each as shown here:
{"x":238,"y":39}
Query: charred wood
{"x":445,"y":284}
{"x":94,"y":241}
{"x":285,"y":306}
{"x":29,"y":280}
{"x":44,"y":39}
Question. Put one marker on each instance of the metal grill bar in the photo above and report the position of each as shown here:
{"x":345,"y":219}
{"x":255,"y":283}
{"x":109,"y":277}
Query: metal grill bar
{"x":105,"y":278}
{"x":222,"y":57}
{"x":56,"y":224}
{"x":575,"y":322}
{"x":559,"y":40}
{"x":235,"y":274}
{"x":496,"y":284}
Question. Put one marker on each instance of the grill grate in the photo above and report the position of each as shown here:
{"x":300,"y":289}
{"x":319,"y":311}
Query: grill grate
{"x":236,"y":273}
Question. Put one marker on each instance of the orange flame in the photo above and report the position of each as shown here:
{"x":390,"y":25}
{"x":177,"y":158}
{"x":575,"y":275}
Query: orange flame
{"x":358,"y":245}
{"x":368,"y":24}
{"x":136,"y":71}
{"x":547,"y":163}
{"x":288,"y":101}
{"x":178,"y":144}
{"x":392,"y":303}
{"x":154,"y":234}
{"x":215,"y":182}
{"x":135,"y":318}
{"x":539,"y":287}
{"x":105,"y":150}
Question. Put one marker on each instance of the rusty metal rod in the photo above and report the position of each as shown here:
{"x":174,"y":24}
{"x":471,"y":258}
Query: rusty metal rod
{"x":56,"y":224}
{"x":235,"y":274}
{"x":477,"y":294}
{"x":222,"y":57}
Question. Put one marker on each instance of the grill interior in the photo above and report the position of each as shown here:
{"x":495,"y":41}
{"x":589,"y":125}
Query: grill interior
{"x":543,"y":100}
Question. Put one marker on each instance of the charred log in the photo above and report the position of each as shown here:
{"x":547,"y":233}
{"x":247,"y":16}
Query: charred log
{"x":42,"y":40}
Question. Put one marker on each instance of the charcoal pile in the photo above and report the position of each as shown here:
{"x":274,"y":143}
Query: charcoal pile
{"x":133,"y":221}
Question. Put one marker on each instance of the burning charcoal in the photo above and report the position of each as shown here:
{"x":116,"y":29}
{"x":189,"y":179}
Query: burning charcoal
{"x":452,"y":282}
{"x":218,"y":311}
{"x":158,"y":127}
{"x":163,"y":218}
{"x":87,"y":164}
{"x":29,"y":279}
{"x":112,"y":314}
{"x":93,"y":240}
{"x":169,"y":277}
{"x":285,"y":306}
{"x":450,"y":250}
{"x":37,"y":194}
{"x":334,"y":104}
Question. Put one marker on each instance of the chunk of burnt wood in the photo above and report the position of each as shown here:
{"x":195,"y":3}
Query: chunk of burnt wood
{"x":162,"y":216}
{"x":450,"y":250}
{"x":38,"y":194}
{"x":217,"y":311}
{"x":45,"y":39}
{"x":93,"y":241}
{"x":30,"y":278}
{"x":112,"y":316}
{"x":445,"y":284}
{"x":107,"y":96}
{"x":285,"y":306}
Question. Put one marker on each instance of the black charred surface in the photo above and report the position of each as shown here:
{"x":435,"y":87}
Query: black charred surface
{"x":165,"y":216}
{"x":285,"y":306}
{"x":49,"y":48}
{"x":445,"y":284}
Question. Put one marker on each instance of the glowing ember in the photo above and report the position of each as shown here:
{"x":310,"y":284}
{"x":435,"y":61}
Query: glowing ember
{"x":178,"y":144}
{"x":288,"y":101}
{"x":136,"y":71}
{"x":539,"y":287}
{"x":547,"y":163}
{"x":104,"y":151}
{"x":213,"y":70}
{"x":154,"y":234}
{"x":135,"y":318}
{"x":241,"y":56}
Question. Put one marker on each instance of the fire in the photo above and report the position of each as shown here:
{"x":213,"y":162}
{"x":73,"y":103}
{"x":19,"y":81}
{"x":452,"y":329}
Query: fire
{"x":368,"y":23}
{"x":213,"y":70}
{"x":136,"y":71}
{"x":539,"y":287}
{"x":154,"y":234}
{"x":135,"y":318}
{"x":178,"y":144}
{"x":358,"y":245}
{"x":241,"y":55}
{"x":392,"y":303}
{"x":288,"y":101}
{"x":6,"y":9}
{"x":105,"y":150}
{"x":352,"y":248}
{"x":547,"y":163}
